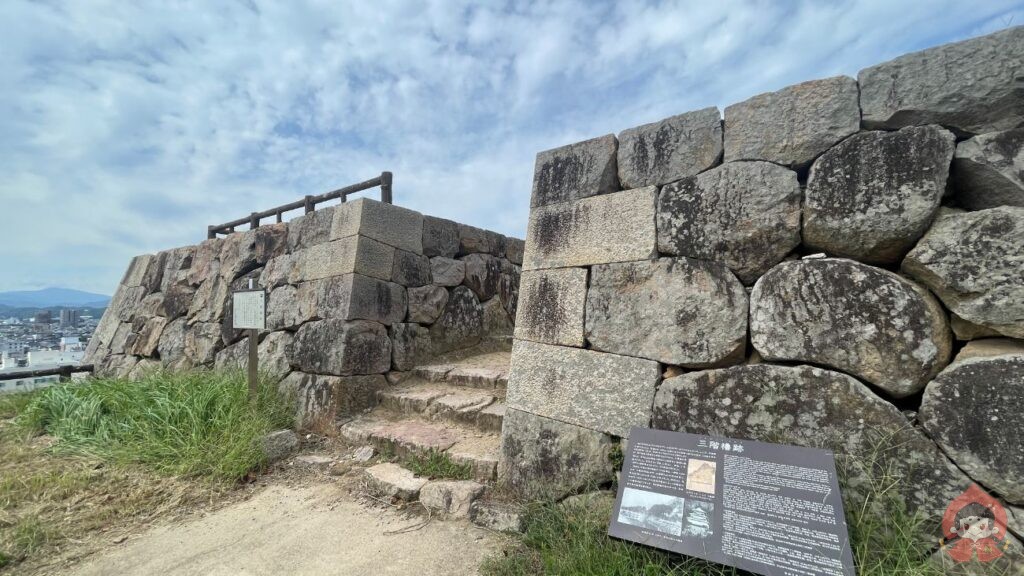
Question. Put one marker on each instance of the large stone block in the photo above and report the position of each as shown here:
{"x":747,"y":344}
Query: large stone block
{"x":575,"y":171}
{"x":794,"y":125}
{"x":172,"y":342}
{"x":541,"y":457}
{"x":447,"y":271}
{"x":209,"y":300}
{"x":988,"y":170}
{"x":744,"y":214}
{"x":358,"y":254}
{"x":238,"y":254}
{"x":853,"y":317}
{"x":310,"y":229}
{"x":496,"y":321}
{"x":355,"y":297}
{"x":393,"y":225}
{"x":615,"y":227}
{"x":461,"y":325}
{"x":176,"y":266}
{"x":177,"y":300}
{"x":873,"y":195}
{"x":514,"y":248}
{"x":483,"y":275}
{"x":440,"y":237}
{"x":277,"y":271}
{"x":665,"y":151}
{"x":678,"y":311}
{"x":136,"y":271}
{"x":273,"y":353}
{"x":410,"y":343}
{"x":603,"y":392}
{"x":410,"y":269}
{"x":205,"y":262}
{"x":149,"y":337}
{"x":552,"y":306}
{"x":974,"y":409}
{"x":286,"y":310}
{"x":473,"y":240}
{"x":972,"y":262}
{"x":342,"y":347}
{"x":508,"y":288}
{"x":807,"y":406}
{"x":971,"y":87}
{"x":202,"y":341}
{"x":426,"y":303}
{"x":451,"y":498}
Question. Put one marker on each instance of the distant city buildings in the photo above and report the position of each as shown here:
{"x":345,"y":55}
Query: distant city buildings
{"x":42,"y":344}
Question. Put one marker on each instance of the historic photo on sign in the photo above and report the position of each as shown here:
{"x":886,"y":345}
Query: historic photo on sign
{"x":700,"y":476}
{"x":660,"y":512}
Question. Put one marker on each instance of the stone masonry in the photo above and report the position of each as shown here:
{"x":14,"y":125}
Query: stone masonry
{"x":354,"y":291}
{"x":806,"y":270}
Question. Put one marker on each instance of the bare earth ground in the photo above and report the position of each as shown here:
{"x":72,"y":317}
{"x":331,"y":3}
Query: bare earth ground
{"x":319,"y":528}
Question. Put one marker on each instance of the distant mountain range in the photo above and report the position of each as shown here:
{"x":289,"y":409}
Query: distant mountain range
{"x":49,"y":297}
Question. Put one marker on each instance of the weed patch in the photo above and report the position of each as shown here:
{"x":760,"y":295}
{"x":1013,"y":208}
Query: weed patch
{"x":436,"y":464}
{"x":190,"y":424}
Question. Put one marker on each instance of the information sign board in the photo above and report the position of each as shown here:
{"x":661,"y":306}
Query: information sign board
{"x":766,"y":508}
{"x":249,"y":310}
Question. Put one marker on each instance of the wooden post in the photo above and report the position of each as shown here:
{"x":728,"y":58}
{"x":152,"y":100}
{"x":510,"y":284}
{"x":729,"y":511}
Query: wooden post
{"x":385,"y":187}
{"x":254,"y":221}
{"x":309,"y":204}
{"x":253,"y":359}
{"x":210,"y":233}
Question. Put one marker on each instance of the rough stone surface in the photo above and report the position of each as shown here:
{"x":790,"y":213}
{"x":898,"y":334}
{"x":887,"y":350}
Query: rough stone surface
{"x":394,"y":481}
{"x":440,"y":237}
{"x":392,"y":225}
{"x":410,"y":342}
{"x":286,"y":311}
{"x":447,"y":271}
{"x":972,"y":262}
{"x":426,"y":303}
{"x":354,"y":297}
{"x":661,"y":152}
{"x":172,"y":341}
{"x":545,"y":457}
{"x":275,"y":355}
{"x":473,"y":240}
{"x":514,"y":248}
{"x":483,"y":275}
{"x":678,"y":311}
{"x":461,"y":323}
{"x":177,"y":300}
{"x":205,"y":262}
{"x":136,"y":272}
{"x":575,"y":171}
{"x":280,"y":444}
{"x":315,"y":396}
{"x":452,"y":498}
{"x":342,"y":347}
{"x":508,"y":289}
{"x":497,"y":516}
{"x":149,"y":337}
{"x":743,"y":214}
{"x":357,"y":254}
{"x":988,"y":170}
{"x":873,"y":195}
{"x":209,"y":300}
{"x":552,"y":306}
{"x":277,"y":271}
{"x":604,"y":392}
{"x":615,"y":227}
{"x":794,"y":125}
{"x":364,"y":453}
{"x":972,"y":87}
{"x":496,"y":320}
{"x":975,"y":411}
{"x":310,"y":229}
{"x":990,"y":347}
{"x":862,"y":320}
{"x":238,"y":254}
{"x":808,"y":406}
{"x":410,"y":269}
{"x":965,"y":330}
{"x":202,"y":341}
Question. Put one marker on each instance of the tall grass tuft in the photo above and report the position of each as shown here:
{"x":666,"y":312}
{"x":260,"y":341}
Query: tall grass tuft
{"x":190,"y":424}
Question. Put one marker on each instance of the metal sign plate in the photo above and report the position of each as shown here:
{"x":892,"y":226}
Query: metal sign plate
{"x":249,"y":309}
{"x":766,"y":508}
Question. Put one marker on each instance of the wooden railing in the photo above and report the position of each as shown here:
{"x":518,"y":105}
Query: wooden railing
{"x":64,"y":372}
{"x":308,"y":203}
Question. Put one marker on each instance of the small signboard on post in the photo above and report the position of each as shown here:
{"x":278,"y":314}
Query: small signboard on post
{"x":765,"y":508}
{"x":249,"y":312}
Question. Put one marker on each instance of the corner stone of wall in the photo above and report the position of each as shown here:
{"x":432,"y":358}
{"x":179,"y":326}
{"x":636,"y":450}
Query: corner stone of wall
{"x":354,"y":291}
{"x":694,"y":300}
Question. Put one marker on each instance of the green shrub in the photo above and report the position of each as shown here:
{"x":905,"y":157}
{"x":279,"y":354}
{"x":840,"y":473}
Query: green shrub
{"x":437,"y":464}
{"x":193,"y":424}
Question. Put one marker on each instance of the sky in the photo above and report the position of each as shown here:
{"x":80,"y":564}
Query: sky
{"x":128,"y":127}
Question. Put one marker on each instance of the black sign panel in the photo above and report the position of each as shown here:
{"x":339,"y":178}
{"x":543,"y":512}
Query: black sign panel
{"x":765,"y":508}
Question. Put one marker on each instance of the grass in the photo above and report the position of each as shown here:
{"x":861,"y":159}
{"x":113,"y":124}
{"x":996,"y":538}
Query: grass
{"x":186,"y":424}
{"x":567,"y":540}
{"x":435,"y":464}
{"x":83,"y":461}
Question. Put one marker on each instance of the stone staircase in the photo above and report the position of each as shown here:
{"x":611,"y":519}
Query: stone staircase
{"x":455,"y":407}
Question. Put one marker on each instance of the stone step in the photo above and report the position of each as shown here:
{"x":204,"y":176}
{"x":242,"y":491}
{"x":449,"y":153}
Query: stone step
{"x":405,"y":436}
{"x":439,"y":401}
{"x":482,"y":377}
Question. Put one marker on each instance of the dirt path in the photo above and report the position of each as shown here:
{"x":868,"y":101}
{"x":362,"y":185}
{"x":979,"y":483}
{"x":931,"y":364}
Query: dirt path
{"x":317,"y":529}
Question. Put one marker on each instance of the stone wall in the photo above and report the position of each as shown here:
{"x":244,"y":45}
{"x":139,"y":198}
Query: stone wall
{"x":354,"y":291}
{"x":839,"y":263}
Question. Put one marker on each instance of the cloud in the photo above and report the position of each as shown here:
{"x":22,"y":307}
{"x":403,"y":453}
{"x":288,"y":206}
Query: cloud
{"x":129,"y":127}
